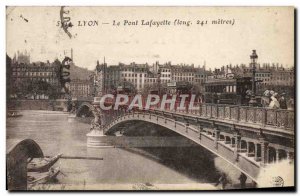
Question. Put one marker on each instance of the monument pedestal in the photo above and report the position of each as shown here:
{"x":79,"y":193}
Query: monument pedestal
{"x":71,"y":118}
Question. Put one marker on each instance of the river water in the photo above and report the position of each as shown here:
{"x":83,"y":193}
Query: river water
{"x":53,"y":132}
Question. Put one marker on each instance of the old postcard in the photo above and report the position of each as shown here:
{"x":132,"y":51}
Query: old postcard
{"x":150,"y":98}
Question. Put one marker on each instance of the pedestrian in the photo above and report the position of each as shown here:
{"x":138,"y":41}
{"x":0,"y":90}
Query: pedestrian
{"x":291,"y":104}
{"x":282,"y":102}
{"x":243,"y":179}
{"x":274,"y":104}
{"x":265,"y":101}
{"x":222,"y":180}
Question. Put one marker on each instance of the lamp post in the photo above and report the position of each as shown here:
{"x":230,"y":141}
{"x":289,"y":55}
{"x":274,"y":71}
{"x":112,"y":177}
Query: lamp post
{"x":159,"y":82}
{"x":253,"y":58}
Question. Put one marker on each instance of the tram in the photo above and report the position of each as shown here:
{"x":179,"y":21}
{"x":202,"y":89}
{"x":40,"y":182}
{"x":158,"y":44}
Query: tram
{"x":228,"y":90}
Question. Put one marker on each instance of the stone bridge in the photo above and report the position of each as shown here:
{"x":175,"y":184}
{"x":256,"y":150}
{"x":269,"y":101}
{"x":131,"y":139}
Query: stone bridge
{"x":17,"y":156}
{"x":248,"y":138}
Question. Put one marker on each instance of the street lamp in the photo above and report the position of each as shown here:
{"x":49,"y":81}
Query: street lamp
{"x":159,"y":82}
{"x":253,"y":58}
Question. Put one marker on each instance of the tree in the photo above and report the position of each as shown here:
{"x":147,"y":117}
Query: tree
{"x":37,"y":87}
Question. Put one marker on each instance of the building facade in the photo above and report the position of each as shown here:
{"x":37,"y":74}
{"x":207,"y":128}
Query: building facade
{"x":142,"y":76}
{"x":26,"y":76}
{"x":136,"y":74}
{"x":80,"y":88}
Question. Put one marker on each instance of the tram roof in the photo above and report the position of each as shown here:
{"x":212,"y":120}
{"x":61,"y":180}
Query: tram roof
{"x":224,"y":81}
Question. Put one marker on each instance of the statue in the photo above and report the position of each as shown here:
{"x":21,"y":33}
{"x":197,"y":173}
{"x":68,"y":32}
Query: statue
{"x":73,"y":110}
{"x":96,"y":123}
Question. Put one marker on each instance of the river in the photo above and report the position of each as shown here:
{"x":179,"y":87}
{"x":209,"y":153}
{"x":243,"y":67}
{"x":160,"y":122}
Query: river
{"x":119,"y":167}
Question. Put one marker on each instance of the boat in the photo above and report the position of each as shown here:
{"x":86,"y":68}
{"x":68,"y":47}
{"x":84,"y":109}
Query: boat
{"x":34,"y":178}
{"x":13,"y":114}
{"x":42,"y":164}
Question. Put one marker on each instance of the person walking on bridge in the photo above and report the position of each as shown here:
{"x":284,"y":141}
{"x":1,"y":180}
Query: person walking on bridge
{"x":222,"y":180}
{"x":243,"y":179}
{"x":274,"y":104}
{"x":282,"y":102}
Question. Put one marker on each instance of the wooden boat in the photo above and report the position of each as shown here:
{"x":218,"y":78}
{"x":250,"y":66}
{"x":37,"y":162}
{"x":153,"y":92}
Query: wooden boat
{"x":34,"y":178}
{"x":13,"y":114}
{"x":42,"y":164}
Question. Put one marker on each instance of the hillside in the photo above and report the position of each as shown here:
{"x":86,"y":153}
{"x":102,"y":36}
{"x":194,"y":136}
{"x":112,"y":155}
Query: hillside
{"x":79,"y":73}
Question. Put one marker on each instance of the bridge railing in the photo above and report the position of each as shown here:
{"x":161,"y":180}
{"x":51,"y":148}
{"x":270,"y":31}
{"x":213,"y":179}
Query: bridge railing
{"x":278,"y":118}
{"x":262,"y":116}
{"x":245,"y":114}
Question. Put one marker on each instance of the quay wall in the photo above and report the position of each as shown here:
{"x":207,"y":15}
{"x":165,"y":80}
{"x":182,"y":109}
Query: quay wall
{"x":52,"y":105}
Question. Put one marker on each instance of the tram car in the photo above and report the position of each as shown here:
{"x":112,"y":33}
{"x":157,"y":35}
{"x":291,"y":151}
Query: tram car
{"x":228,"y":90}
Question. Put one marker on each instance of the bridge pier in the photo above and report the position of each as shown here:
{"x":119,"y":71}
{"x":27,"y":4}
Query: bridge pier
{"x":97,"y":139}
{"x":71,"y":117}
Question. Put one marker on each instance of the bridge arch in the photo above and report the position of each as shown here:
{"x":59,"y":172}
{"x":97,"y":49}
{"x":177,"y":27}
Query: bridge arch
{"x":244,"y":146}
{"x":251,"y":149}
{"x":16,"y":160}
{"x":227,"y":140}
{"x":86,"y":109}
{"x":206,"y":139}
{"x":282,"y":154}
{"x":222,"y":137}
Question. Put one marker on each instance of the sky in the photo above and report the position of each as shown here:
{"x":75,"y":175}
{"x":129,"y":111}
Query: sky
{"x":268,"y":30}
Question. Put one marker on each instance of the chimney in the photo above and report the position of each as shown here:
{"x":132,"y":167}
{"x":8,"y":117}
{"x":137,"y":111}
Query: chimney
{"x":72,"y":54}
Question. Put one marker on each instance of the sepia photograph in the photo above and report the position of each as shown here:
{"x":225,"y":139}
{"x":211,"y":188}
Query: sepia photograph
{"x":150,"y":98}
